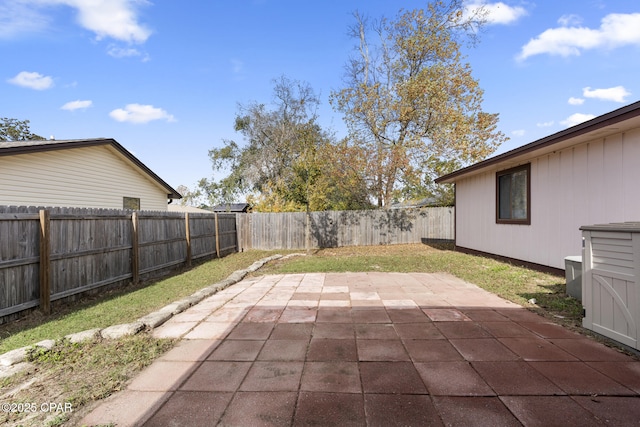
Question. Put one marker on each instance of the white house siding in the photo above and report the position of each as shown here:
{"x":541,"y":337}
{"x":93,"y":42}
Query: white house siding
{"x":593,"y":183}
{"x":96,"y":177}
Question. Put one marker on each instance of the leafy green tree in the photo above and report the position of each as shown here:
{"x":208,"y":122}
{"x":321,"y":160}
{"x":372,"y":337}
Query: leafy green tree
{"x":16,"y":130}
{"x":411,"y":102}
{"x":287,"y":161}
{"x":272,"y":139}
{"x":341,"y":184}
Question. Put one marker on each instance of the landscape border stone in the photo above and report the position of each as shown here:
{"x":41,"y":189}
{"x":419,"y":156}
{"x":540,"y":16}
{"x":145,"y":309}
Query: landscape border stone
{"x":149,"y":321}
{"x":79,"y":337}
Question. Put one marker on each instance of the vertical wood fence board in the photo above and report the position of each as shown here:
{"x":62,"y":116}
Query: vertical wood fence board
{"x":271,"y":231}
{"x":187,"y":227}
{"x":45,"y":264}
{"x":202,"y":235}
{"x":217,"y":232}
{"x":19,"y":283}
{"x":97,"y":245}
{"x":135,"y":248}
{"x":90,"y":248}
{"x":161,"y":240}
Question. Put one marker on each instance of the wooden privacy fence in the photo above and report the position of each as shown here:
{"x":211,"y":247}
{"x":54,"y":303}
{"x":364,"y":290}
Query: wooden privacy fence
{"x":344,"y":228}
{"x":53,"y":253}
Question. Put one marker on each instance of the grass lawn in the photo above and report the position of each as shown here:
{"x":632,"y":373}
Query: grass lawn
{"x":514,"y":283}
{"x":123,"y":305}
{"x":83,"y":374}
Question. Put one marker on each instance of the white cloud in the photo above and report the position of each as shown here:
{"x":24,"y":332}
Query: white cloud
{"x":569,"y":20}
{"x":497,"y":13}
{"x":32,"y":80}
{"x":576,"y":119}
{"x":119,"y":52}
{"x":575,"y":101}
{"x":615,"y":30}
{"x":76,"y":105}
{"x":136,"y":113}
{"x":17,"y":17}
{"x":545,"y":124}
{"x":129,"y":52}
{"x":616,"y":94}
{"x":518,"y":132}
{"x":116,"y":19}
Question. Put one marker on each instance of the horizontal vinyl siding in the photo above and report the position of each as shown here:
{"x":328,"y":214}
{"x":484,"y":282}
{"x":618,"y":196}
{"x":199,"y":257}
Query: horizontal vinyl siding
{"x":588,"y":184}
{"x":95,"y":177}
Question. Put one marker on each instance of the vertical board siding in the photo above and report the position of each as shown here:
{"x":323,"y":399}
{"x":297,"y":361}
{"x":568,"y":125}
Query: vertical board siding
{"x":630,"y":156}
{"x":344,"y":228}
{"x":590,"y":183}
{"x":91,"y":248}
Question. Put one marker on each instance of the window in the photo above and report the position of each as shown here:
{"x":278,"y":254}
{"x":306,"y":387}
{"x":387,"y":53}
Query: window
{"x":131,"y":203}
{"x":513,"y":195}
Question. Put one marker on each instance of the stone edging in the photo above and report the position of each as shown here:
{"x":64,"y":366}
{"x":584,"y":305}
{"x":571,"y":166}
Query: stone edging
{"x":150,"y":321}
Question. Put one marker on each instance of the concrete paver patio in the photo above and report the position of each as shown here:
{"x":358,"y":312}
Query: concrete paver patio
{"x":377,"y":349}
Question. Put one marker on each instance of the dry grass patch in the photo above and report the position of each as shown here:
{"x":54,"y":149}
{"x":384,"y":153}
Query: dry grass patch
{"x":61,"y":385}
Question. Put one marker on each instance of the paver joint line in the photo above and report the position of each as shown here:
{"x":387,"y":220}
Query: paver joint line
{"x":455,"y":364}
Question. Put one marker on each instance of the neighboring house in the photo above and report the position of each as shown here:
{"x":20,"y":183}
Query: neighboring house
{"x":232,"y":207}
{"x":422,"y":203}
{"x":87,"y":173}
{"x":529,"y":203}
{"x":189,"y":209}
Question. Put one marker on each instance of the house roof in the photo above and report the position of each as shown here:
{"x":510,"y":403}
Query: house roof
{"x":616,"y":121}
{"x":8,"y":148}
{"x":189,"y":209}
{"x":231,"y":207}
{"x":427,"y":201}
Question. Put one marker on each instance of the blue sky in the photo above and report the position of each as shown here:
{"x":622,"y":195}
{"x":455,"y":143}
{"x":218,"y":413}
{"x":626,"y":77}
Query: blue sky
{"x":165,"y":78}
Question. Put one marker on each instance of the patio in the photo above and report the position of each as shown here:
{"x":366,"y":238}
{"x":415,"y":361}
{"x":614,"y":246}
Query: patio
{"x":373,"y":349}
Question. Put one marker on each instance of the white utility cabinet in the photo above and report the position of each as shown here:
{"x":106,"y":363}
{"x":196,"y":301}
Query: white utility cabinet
{"x":610,"y":280}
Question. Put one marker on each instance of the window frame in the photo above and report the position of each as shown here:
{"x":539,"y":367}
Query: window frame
{"x":511,"y":171}
{"x":127,"y":201}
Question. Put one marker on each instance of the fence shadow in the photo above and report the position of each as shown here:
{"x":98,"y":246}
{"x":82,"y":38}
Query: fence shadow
{"x":267,"y":231}
{"x":380,"y":227}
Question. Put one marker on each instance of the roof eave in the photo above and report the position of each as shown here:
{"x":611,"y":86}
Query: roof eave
{"x":171,"y":192}
{"x":590,"y":126}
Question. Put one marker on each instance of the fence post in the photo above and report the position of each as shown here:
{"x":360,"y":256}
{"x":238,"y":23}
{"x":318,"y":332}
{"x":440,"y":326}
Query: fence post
{"x":239,"y":242}
{"x":307,"y":231}
{"x":188,"y":237}
{"x":217,"y":236}
{"x":45,"y":262}
{"x":135,"y":255}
